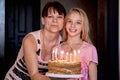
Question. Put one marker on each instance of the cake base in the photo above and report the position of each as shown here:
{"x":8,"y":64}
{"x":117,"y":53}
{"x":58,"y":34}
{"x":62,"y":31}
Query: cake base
{"x":64,"y":67}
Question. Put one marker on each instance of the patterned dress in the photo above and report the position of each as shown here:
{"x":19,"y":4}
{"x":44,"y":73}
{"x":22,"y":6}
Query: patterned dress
{"x":19,"y":71}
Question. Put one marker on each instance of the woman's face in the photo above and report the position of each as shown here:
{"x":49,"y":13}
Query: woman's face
{"x":74,"y":24}
{"x":53,"y":22}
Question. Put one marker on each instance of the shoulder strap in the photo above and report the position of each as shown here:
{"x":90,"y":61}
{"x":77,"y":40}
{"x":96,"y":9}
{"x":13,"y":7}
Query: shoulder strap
{"x":36,"y":34}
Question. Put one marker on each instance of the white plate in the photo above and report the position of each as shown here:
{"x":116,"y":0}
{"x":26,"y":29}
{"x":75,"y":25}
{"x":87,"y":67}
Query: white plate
{"x":64,"y":75}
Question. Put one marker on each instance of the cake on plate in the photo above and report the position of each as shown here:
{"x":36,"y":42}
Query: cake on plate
{"x":64,"y":63}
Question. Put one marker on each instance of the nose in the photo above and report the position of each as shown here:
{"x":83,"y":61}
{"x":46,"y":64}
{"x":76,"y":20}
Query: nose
{"x":72,"y":24}
{"x":54,"y":19}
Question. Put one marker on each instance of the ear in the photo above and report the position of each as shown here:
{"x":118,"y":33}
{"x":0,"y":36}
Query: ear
{"x":42,"y":20}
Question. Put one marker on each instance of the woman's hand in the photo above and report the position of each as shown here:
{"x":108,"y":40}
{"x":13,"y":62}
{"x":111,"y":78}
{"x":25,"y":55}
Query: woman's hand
{"x":39,"y":76}
{"x":70,"y":79}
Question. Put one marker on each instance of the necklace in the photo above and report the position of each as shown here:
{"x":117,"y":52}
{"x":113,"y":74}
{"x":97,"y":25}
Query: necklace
{"x":74,"y":45}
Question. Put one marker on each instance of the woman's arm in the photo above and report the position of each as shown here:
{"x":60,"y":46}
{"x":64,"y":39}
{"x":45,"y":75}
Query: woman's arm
{"x":92,"y":71}
{"x":30,"y":48}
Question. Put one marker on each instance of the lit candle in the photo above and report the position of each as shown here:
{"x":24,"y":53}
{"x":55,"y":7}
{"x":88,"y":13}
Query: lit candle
{"x":70,"y":57}
{"x":75,"y":56}
{"x":78,"y":54}
{"x":53,"y":55}
{"x":62,"y":55}
{"x":56,"y":50}
{"x":66,"y":57}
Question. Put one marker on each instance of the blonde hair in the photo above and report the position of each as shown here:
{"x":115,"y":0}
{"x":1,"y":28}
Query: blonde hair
{"x":84,"y":35}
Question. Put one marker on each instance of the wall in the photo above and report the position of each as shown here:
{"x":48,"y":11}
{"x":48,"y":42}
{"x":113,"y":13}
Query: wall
{"x":2,"y":26}
{"x":2,"y":35}
{"x":119,"y":39}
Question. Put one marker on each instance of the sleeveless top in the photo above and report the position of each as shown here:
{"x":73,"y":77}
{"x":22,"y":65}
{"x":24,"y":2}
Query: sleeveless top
{"x":19,"y":71}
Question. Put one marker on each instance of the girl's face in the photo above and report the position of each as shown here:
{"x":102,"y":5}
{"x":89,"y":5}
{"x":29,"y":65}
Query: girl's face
{"x":53,"y":22}
{"x":74,"y":24}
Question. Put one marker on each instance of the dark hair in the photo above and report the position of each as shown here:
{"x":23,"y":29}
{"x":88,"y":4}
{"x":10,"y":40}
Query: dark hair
{"x":56,"y":6}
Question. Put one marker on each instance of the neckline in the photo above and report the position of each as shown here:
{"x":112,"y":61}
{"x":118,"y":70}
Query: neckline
{"x":40,"y":46}
{"x":73,"y":49}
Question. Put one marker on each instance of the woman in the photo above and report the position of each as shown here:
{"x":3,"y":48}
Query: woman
{"x":31,"y":63}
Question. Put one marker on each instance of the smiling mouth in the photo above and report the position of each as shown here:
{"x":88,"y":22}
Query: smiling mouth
{"x":72,"y":30}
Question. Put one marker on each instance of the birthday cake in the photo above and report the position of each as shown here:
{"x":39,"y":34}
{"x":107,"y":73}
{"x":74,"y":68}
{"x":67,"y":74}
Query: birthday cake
{"x":64,"y":67}
{"x":64,"y":62}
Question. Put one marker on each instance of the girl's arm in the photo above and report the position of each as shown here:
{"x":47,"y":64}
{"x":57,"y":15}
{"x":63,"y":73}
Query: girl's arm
{"x":30,"y":48}
{"x":92,"y":71}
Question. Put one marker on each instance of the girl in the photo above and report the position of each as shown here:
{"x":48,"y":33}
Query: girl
{"x":76,"y":37}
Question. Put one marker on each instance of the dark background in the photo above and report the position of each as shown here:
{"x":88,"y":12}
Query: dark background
{"x":23,"y":16}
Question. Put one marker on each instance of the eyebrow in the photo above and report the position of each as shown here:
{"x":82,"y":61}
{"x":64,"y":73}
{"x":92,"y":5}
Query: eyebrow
{"x":77,"y":20}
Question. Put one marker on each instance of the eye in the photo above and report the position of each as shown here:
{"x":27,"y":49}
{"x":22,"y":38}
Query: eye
{"x":78,"y":22}
{"x":69,"y":21}
{"x":60,"y":16}
{"x":49,"y":16}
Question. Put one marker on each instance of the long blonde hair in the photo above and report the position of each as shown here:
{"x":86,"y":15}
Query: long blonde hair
{"x":85,"y":29}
